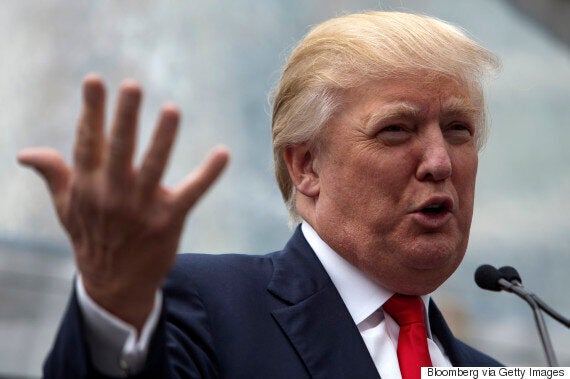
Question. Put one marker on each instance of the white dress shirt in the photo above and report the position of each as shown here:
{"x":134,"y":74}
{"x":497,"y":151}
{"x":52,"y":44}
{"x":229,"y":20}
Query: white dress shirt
{"x":116,"y":350}
{"x":364,"y":298}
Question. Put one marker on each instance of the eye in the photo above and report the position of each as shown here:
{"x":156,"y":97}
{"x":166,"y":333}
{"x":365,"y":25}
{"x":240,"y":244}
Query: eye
{"x":394,"y":134}
{"x":393,"y":128}
{"x":460,"y":126}
{"x":458,"y":133}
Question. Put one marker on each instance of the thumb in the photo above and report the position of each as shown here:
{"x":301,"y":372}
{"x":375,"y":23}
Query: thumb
{"x":198,"y":182}
{"x":50,"y":165}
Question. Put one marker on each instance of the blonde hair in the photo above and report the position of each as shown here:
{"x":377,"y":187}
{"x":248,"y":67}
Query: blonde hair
{"x":351,"y":50}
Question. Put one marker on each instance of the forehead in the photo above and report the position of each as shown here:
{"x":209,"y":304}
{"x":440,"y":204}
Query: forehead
{"x":413,"y":95}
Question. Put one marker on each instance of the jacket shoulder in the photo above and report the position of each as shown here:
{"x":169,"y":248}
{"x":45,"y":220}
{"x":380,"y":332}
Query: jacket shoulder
{"x":219,"y":266}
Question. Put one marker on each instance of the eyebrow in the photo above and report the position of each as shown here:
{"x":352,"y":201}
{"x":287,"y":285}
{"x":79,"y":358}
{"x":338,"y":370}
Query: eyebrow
{"x":460,"y":106}
{"x":451,"y":107}
{"x":392,"y":111}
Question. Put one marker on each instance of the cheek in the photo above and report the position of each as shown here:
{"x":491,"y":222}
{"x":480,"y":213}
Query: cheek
{"x":464,"y":182}
{"x":470,"y":176}
{"x":465,"y":162}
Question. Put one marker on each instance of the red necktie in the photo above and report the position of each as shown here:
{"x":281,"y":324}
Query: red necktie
{"x":413,"y":351}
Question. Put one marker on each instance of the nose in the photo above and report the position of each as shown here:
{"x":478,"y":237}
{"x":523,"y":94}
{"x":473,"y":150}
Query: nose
{"x":435,"y":162}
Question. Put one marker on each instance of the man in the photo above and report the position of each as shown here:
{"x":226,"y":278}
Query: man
{"x":377,"y":123}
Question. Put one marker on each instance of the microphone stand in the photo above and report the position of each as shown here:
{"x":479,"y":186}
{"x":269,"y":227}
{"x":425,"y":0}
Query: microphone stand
{"x":545,"y":307}
{"x":512,"y":275}
{"x":551,"y":312}
{"x":540,"y":324}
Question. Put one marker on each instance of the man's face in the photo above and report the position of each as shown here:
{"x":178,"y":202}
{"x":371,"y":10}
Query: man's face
{"x":396,"y":170}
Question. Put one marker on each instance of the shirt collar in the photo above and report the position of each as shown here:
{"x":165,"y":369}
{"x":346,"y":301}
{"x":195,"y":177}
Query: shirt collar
{"x":361,"y":295}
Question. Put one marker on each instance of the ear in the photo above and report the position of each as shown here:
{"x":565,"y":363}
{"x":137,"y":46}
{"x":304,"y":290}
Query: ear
{"x":301,"y":163}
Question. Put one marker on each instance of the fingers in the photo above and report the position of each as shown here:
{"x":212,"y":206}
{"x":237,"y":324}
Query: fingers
{"x":123,"y":132}
{"x":50,"y":165}
{"x":197,"y":183}
{"x":114,"y":157}
{"x":90,"y":131}
{"x":155,"y":160}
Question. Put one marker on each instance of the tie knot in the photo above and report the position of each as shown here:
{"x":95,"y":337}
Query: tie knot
{"x":405,"y":309}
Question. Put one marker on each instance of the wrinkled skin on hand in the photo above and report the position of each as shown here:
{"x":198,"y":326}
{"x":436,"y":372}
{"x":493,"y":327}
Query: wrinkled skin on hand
{"x":123,"y":224}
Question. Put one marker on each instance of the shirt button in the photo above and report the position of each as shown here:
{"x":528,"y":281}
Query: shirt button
{"x":124,"y":366}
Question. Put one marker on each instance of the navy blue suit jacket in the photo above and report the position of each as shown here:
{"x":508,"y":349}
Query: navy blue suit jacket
{"x":243,"y":316}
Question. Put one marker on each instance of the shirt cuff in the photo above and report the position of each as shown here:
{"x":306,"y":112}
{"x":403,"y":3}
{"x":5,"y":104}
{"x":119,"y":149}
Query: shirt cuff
{"x":114,"y":347}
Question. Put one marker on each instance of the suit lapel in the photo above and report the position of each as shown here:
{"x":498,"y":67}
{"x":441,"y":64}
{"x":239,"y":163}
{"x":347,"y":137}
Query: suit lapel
{"x":316,"y":320}
{"x":454,"y":349}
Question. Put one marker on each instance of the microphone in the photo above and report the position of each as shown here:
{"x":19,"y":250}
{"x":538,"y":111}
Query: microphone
{"x":489,"y":278}
{"x":512,"y":275}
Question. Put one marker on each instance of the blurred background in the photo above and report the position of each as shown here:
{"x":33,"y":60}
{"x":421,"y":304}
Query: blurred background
{"x":219,"y":60}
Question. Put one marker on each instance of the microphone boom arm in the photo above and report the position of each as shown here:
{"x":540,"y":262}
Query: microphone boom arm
{"x":545,"y":307}
{"x":543,"y":332}
{"x":551,"y":312}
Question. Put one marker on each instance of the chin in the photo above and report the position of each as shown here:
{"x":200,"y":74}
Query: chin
{"x":414,"y":281}
{"x":433,"y":257}
{"x":429,"y":270}
{"x":423,"y":282}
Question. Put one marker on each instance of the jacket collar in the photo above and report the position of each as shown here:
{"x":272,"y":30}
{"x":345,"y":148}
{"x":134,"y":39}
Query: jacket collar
{"x":315,"y":318}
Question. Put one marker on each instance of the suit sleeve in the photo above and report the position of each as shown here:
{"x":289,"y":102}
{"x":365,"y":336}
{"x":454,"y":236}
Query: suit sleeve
{"x":181,"y":345}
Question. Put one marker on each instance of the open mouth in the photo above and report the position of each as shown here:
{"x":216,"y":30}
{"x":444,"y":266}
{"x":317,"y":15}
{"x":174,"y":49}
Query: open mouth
{"x":433,"y":210}
{"x":436,"y":206}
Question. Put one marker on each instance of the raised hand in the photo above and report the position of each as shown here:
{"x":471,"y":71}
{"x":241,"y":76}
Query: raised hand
{"x":123,"y":224}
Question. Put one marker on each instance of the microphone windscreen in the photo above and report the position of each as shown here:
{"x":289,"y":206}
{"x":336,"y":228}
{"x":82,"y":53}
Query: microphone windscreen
{"x":510,"y":273}
{"x":487,"y":277}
